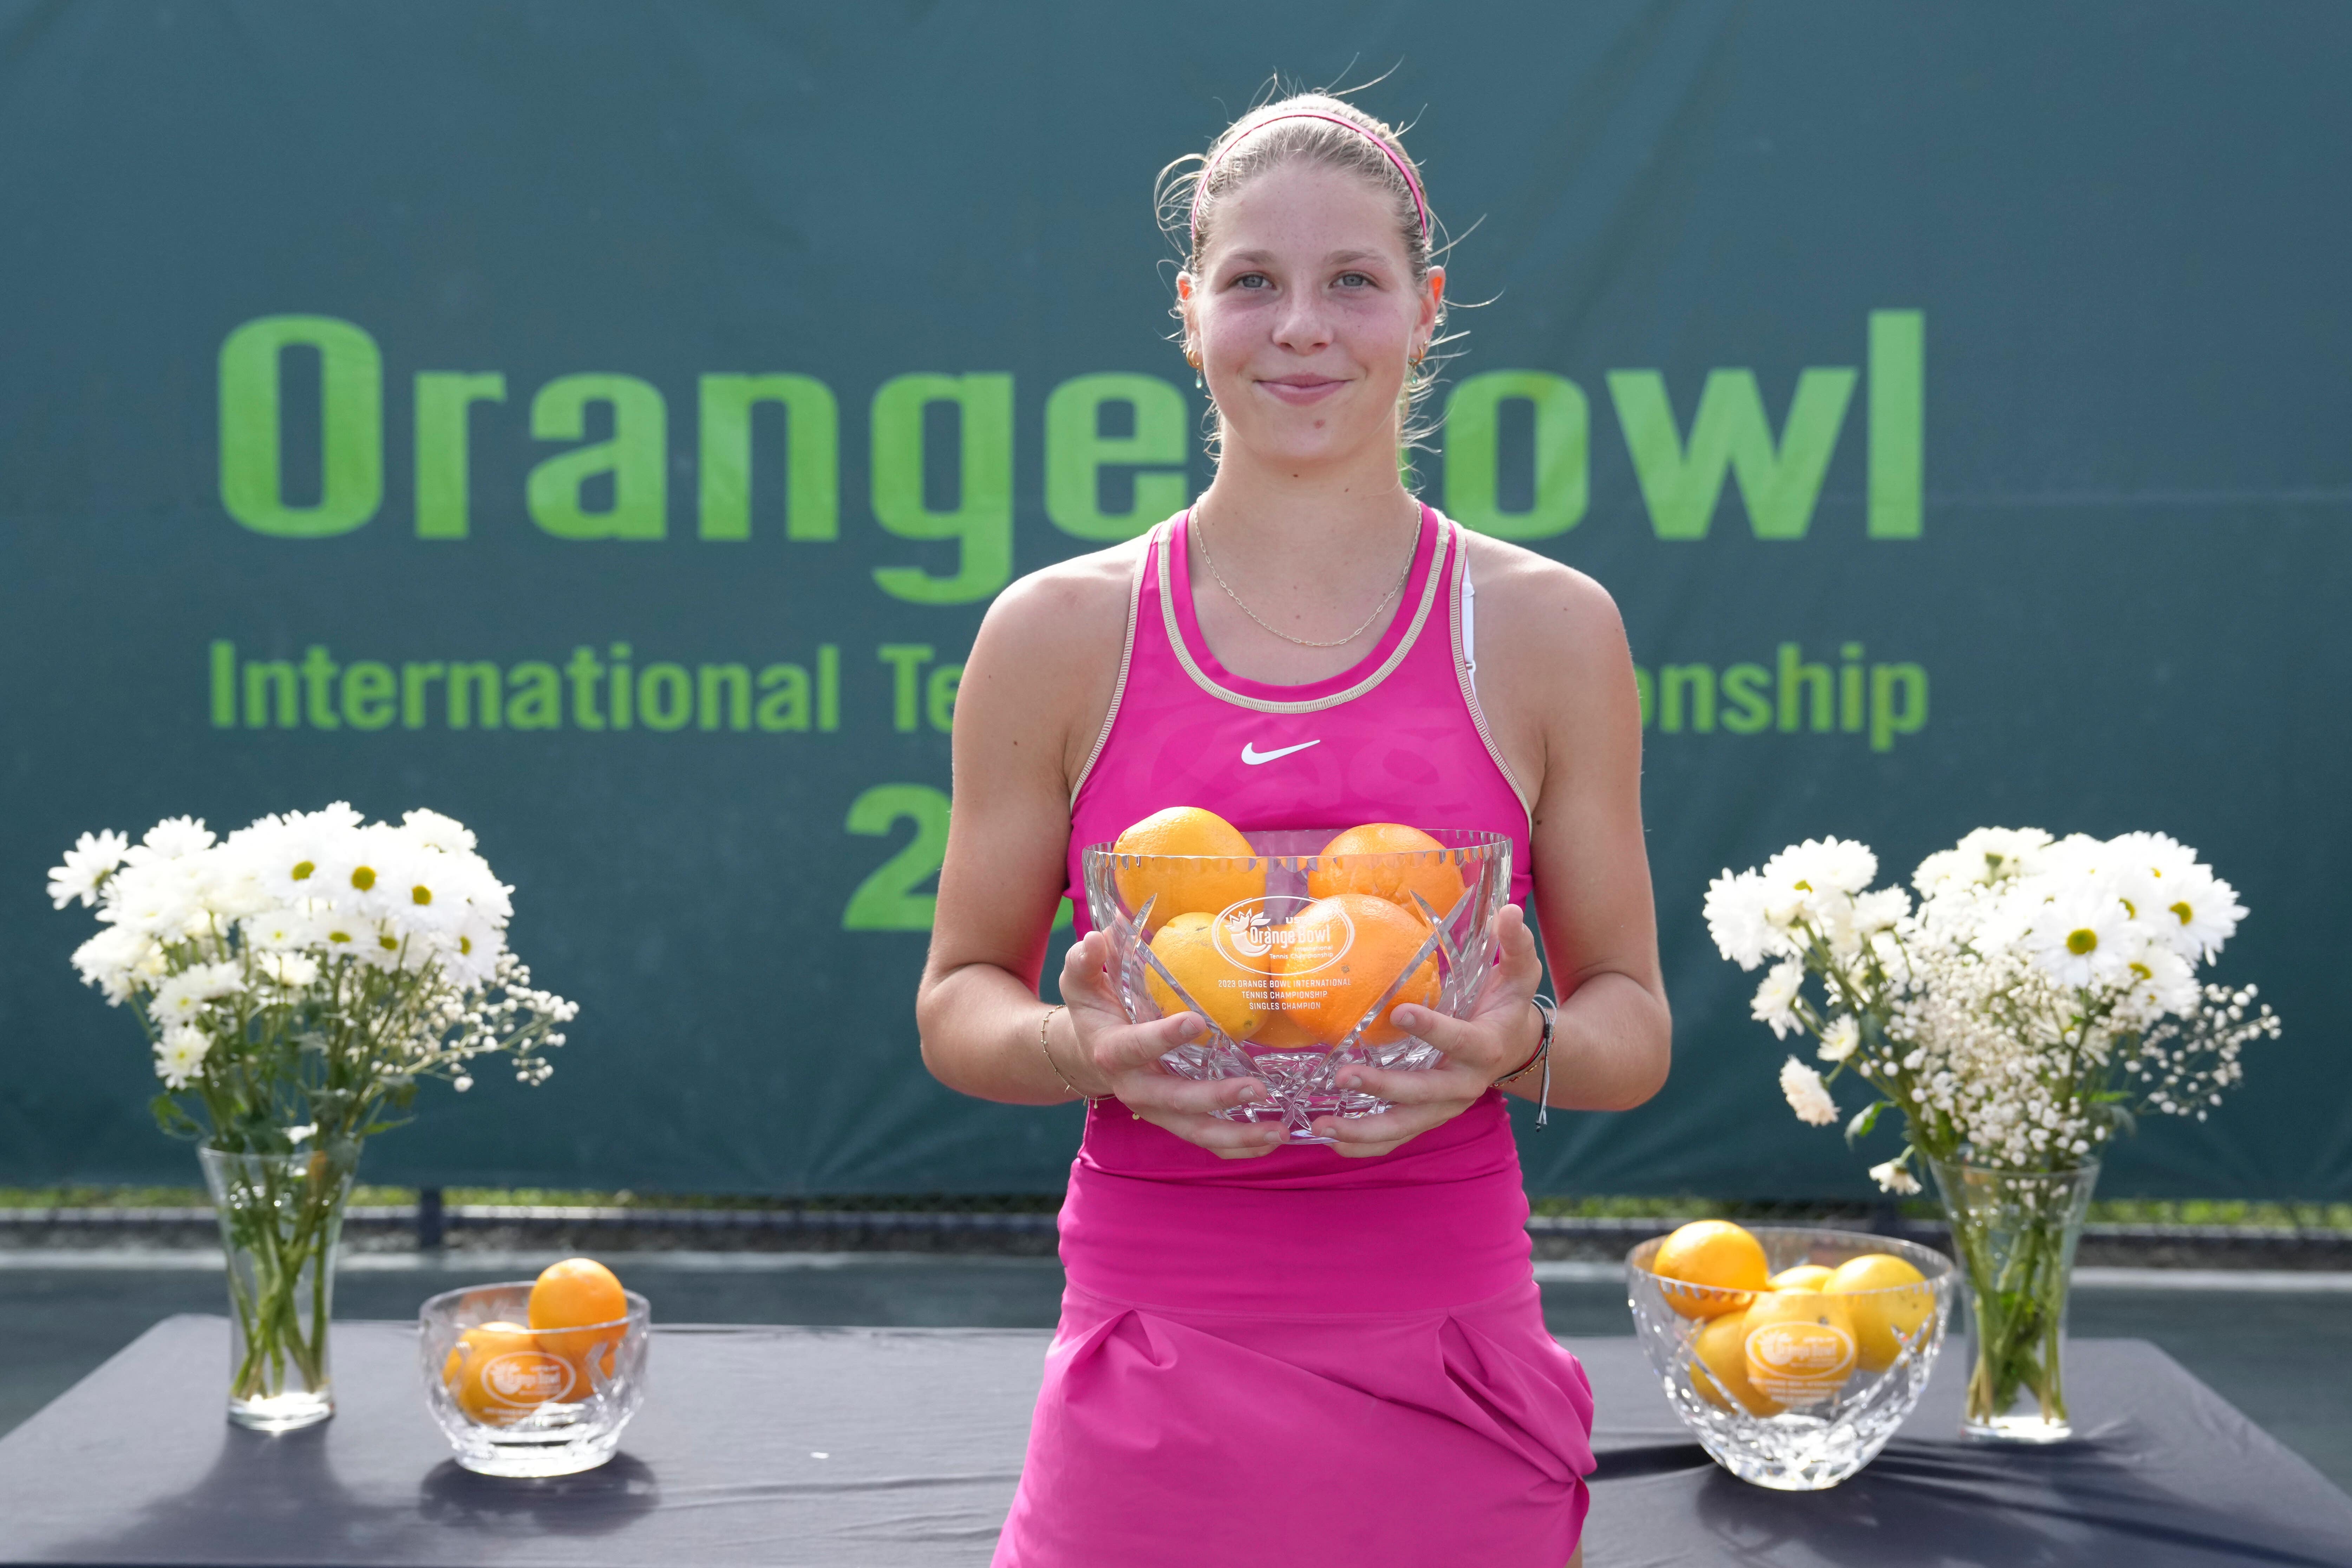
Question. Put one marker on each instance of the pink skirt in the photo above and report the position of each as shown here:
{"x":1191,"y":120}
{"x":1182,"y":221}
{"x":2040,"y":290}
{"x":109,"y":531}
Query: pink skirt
{"x":1170,"y":1436}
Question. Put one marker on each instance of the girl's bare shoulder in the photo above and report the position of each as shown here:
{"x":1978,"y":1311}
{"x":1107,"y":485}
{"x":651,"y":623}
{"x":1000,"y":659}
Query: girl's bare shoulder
{"x":1535,"y":610}
{"x":1074,"y":610}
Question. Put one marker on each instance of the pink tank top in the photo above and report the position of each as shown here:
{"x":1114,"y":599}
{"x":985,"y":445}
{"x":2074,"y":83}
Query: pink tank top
{"x":1154,"y":1220}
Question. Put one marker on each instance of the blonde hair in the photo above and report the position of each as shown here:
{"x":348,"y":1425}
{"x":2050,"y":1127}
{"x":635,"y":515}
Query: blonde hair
{"x":1298,"y":129}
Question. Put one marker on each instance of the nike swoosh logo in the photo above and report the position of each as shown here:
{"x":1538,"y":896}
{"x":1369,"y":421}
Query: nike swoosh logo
{"x":1253,"y":756}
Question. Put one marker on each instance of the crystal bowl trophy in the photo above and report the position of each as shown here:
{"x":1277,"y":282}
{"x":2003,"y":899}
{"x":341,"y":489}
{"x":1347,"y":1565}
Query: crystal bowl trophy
{"x":1296,"y":958}
{"x":517,"y":1401}
{"x":1791,"y":1389}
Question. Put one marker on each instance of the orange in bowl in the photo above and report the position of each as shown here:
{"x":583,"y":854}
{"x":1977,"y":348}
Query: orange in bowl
{"x":1365,"y":860}
{"x":584,"y":1299}
{"x":1345,"y":952}
{"x":1722,"y":1259}
{"x":1178,"y":889}
{"x":500,"y":1372}
{"x":1235,"y":999}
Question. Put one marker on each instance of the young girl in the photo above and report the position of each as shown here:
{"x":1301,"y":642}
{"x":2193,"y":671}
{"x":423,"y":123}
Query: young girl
{"x":1275,"y":1352}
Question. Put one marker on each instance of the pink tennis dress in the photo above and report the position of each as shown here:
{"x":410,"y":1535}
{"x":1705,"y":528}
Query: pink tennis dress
{"x":1301,"y":1359}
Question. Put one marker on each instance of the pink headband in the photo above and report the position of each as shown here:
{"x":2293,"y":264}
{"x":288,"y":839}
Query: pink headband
{"x":1209,"y":169}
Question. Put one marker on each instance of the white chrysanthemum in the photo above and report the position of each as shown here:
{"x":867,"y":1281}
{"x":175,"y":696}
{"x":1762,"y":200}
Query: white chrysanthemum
{"x":1877,"y":911}
{"x":1839,"y":1038}
{"x":1823,"y":865}
{"x":435,"y":831}
{"x":170,"y":840}
{"x":2083,"y":937}
{"x":280,"y":929}
{"x":180,"y":1055}
{"x":426,"y":890}
{"x":116,"y":959}
{"x":86,"y":864}
{"x":1736,"y":919}
{"x":2201,"y":913}
{"x":1894,"y":1176}
{"x":291,"y":970}
{"x":367,"y":875}
{"x":1983,"y":857}
{"x":158,"y":897}
{"x":341,"y":934}
{"x":2162,"y":986}
{"x":1775,"y":998}
{"x":473,"y":952}
{"x":181,"y":998}
{"x":1808,"y":1096}
{"x":298,"y":856}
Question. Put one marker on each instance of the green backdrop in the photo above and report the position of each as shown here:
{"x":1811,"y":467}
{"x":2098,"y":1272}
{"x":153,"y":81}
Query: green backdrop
{"x":1954,"y":399}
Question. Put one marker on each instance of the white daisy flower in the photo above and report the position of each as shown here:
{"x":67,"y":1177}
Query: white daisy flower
{"x":1880,"y":911}
{"x":475,"y":949}
{"x":115,"y":959}
{"x":2081,"y":939}
{"x":1823,"y":865}
{"x":1736,"y":919}
{"x":1894,"y":1176}
{"x":297,"y":857}
{"x":1839,"y":1038}
{"x":180,"y":1055}
{"x":425,"y":890}
{"x":86,"y":864}
{"x":1775,"y":998}
{"x":2202,"y":914}
{"x":1808,"y":1096}
{"x":435,"y":831}
{"x":292,"y":971}
{"x":170,"y":840}
{"x":156,"y":897}
{"x":1985,"y":857}
{"x":181,"y":998}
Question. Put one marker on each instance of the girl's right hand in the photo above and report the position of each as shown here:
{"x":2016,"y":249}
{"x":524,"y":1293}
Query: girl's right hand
{"x":1122,"y":1059}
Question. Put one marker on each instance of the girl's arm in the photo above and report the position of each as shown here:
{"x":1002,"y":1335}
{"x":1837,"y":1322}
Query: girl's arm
{"x":1033,"y":693}
{"x":1556,"y":685}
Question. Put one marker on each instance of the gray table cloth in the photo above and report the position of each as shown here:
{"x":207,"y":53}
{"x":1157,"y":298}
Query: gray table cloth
{"x":900,"y":1447}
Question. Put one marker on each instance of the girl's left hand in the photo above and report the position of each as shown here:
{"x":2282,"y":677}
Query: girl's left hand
{"x":1499,"y":1036}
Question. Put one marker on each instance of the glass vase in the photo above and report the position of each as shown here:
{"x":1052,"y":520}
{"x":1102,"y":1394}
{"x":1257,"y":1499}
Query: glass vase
{"x":2015,"y":1232}
{"x":281,"y":1218}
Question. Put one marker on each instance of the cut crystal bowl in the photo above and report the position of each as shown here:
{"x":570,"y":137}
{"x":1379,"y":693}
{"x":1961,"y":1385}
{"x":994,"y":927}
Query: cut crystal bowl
{"x":1296,"y":958}
{"x":517,"y":1401}
{"x":1797,"y":1400}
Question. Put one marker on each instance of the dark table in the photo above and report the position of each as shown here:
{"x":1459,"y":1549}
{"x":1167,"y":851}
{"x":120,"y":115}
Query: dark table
{"x":900,"y":1447}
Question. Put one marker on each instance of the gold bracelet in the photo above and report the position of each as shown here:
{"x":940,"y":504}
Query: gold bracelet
{"x":1045,"y":1023}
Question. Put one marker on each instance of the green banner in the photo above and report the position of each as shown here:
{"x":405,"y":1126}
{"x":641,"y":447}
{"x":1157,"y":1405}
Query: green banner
{"x":607,"y":424}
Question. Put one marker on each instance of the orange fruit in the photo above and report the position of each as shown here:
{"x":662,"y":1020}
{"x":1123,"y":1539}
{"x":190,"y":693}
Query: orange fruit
{"x":1887,"y":1301}
{"x":1179,"y":889}
{"x":1716,"y":1253}
{"x":1237,"y":1000}
{"x":1803,"y":1276}
{"x":1281,"y":1032}
{"x":1800,"y":1344}
{"x":1343,"y":954}
{"x":500,"y":1372}
{"x":1720,"y":1346}
{"x":577,"y":1294}
{"x":1344,"y":866}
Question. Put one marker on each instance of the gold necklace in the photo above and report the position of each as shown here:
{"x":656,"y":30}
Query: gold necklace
{"x":1413,"y":548}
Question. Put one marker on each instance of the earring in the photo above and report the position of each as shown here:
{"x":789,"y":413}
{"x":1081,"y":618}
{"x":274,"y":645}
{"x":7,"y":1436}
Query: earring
{"x":1192,"y":358}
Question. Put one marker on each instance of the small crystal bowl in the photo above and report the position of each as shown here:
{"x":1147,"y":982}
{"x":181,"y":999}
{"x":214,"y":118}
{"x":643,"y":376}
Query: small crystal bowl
{"x":1816,"y":1407}
{"x":516,"y":1401}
